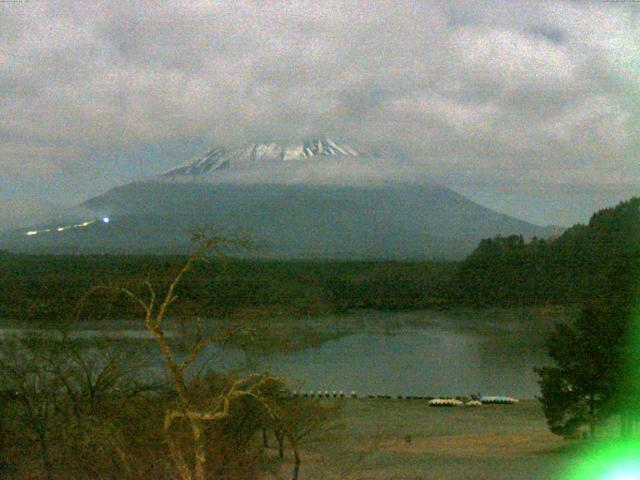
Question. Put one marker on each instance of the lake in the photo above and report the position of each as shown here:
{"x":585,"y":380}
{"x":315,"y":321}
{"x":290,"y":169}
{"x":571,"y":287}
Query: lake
{"x":429,"y":353}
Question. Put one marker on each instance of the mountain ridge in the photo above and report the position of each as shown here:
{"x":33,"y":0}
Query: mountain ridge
{"x":312,"y":199}
{"x":258,"y":154}
{"x":294,"y":221}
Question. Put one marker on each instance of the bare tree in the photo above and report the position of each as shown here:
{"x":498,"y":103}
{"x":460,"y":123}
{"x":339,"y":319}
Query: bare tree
{"x":36,"y":391}
{"x":191,"y":463}
{"x":61,"y":390}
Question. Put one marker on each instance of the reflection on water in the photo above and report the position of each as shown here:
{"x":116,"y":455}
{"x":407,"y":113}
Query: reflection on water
{"x":84,"y":334}
{"x":444,"y":354}
{"x":427,"y":361}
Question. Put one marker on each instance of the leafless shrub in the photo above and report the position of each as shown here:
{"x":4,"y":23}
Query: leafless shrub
{"x":90,"y":414}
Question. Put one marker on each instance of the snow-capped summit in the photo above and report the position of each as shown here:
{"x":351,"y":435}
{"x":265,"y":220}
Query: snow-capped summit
{"x":212,"y":160}
{"x":313,"y":199}
{"x":259,"y":153}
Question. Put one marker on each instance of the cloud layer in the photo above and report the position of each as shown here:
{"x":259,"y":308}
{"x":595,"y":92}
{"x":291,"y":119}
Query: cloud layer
{"x":469,"y":91}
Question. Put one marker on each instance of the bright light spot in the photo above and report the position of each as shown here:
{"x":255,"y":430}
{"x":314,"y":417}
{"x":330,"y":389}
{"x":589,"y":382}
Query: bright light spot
{"x":625,"y":473}
{"x":32,"y":232}
{"x":105,"y":219}
{"x":613,"y":460}
{"x":62,"y":229}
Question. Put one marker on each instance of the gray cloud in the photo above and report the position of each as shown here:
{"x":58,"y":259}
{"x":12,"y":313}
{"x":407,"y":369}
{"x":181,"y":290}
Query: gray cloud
{"x":360,"y":171}
{"x":503,"y":91}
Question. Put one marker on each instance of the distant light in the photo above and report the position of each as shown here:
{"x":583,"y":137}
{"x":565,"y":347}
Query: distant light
{"x":105,"y":219}
{"x":84,"y":224}
{"x":32,"y":232}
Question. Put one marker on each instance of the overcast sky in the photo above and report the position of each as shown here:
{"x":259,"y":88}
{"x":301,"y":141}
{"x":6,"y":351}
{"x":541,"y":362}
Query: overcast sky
{"x":481,"y":95}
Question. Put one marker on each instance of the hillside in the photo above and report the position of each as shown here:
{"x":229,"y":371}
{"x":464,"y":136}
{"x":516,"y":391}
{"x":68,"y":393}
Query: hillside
{"x":393,"y":221}
{"x":568,"y":269}
{"x":314,"y":199}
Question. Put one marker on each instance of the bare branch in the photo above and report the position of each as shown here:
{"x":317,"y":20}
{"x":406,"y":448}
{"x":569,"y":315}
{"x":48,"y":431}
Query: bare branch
{"x":104,"y":288}
{"x":169,"y":297}
{"x":152,"y":294}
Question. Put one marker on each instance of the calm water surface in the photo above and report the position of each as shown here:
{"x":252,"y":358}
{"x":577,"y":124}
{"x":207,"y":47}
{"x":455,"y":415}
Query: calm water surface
{"x":424,"y":353}
{"x":430,"y":361}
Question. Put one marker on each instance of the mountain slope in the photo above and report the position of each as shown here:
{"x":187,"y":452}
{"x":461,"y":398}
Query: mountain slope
{"x":311,"y":199}
{"x":294,"y":221}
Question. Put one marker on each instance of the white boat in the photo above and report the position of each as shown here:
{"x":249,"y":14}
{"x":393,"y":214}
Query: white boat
{"x":445,"y":402}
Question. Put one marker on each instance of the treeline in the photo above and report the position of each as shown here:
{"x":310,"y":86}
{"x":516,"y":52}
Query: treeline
{"x":41,"y":288}
{"x":596,"y":357}
{"x":567,"y":269}
{"x":501,"y":271}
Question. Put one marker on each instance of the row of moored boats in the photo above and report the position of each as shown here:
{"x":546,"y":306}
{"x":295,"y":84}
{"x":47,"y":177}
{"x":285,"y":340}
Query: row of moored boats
{"x":473,"y":401}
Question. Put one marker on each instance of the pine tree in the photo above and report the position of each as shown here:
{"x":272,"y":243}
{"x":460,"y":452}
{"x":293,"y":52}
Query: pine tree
{"x":586,"y":381}
{"x":596,"y":356}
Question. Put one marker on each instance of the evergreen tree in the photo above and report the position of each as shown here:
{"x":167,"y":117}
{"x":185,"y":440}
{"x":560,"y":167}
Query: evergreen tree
{"x":596,"y":356}
{"x":589,"y":356}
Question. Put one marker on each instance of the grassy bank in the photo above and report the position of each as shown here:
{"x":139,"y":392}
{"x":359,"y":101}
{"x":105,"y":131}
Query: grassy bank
{"x":405,"y":439}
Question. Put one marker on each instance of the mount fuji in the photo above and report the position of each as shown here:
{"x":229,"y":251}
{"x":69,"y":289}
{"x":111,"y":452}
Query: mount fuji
{"x":312,"y":199}
{"x":261,"y":155}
